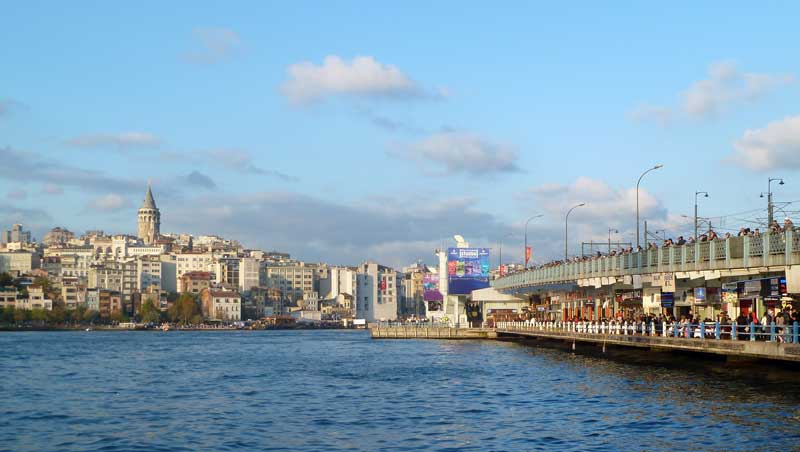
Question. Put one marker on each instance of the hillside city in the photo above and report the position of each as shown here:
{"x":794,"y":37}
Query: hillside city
{"x":153,"y":277}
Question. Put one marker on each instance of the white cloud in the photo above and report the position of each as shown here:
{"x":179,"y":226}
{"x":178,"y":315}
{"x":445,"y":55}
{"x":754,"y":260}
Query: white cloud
{"x":313,"y":228}
{"x":647,"y":112}
{"x":725,"y":87}
{"x":109,"y":203}
{"x":121,"y":141}
{"x":775,"y":146}
{"x":364,"y":76}
{"x":213,"y":45}
{"x":614,"y":206}
{"x":462,"y":152}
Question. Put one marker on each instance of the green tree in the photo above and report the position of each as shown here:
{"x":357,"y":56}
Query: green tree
{"x":185,"y":309}
{"x":6,"y":280}
{"x":150,"y":313}
{"x":120,"y":317}
{"x":39,"y":315}
{"x":91,"y":316}
{"x":21,"y":315}
{"x":56,"y":316}
{"x":76,"y":316}
{"x":43,"y":282}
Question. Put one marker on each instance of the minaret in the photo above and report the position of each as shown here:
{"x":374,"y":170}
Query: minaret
{"x":149,"y":219}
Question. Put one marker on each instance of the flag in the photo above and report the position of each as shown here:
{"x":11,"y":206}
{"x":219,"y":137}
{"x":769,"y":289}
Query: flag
{"x":527,"y":254}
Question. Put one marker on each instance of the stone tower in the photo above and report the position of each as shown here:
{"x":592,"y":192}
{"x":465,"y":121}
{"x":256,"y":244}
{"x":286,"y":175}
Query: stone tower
{"x":149,"y":219}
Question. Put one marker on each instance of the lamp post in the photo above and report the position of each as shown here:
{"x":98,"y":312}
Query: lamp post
{"x":637,"y":200}
{"x":525,"y":251}
{"x":770,"y":207}
{"x":695,"y":209}
{"x":501,"y":249}
{"x":566,"y":230}
{"x":610,"y":230}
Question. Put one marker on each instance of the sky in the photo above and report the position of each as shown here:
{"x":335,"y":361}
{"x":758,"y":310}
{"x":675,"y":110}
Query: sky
{"x":348,"y":131}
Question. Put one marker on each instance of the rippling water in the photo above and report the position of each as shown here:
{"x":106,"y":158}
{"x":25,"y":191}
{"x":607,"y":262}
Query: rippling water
{"x":340,"y":390}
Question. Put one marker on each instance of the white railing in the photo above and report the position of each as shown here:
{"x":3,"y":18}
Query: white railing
{"x":679,"y":330}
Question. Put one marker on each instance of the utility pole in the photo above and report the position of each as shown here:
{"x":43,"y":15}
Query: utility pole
{"x":770,"y":206}
{"x":695,"y":210}
{"x":637,"y":202}
{"x":610,"y":230}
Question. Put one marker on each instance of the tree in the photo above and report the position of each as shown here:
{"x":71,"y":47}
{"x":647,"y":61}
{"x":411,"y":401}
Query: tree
{"x":120,"y":317}
{"x":150,"y":313}
{"x":56,"y":316}
{"x":6,"y":279}
{"x":77,"y":315}
{"x":21,"y":315}
{"x":185,"y":309}
{"x":91,"y":316}
{"x":39,"y":315}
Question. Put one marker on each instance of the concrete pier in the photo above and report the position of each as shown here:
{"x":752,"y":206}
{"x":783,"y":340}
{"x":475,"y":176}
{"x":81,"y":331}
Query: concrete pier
{"x":433,"y":332}
{"x":741,"y":349}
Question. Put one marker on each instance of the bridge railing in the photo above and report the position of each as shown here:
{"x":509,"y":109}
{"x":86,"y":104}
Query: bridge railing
{"x":789,"y":334}
{"x":769,"y":249}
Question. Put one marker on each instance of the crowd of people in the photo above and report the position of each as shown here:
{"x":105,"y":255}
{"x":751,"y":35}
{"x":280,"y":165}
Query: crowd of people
{"x":693,"y":325}
{"x":710,"y":236}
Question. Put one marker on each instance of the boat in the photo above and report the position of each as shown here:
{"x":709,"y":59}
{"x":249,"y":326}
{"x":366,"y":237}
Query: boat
{"x":165,"y":327}
{"x":88,"y":329}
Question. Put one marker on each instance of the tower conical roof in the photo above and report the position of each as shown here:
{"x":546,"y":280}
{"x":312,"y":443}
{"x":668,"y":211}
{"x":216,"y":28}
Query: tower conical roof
{"x":149,"y":202}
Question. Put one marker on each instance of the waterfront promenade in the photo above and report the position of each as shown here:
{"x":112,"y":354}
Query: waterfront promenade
{"x":736,"y":341}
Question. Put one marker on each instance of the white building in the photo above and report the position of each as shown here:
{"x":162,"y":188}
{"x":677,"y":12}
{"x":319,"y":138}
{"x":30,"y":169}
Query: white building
{"x":36,"y":300}
{"x":221,"y":305}
{"x":75,"y":261}
{"x":294,"y":281}
{"x":248,"y":273}
{"x":377,"y":288}
{"x":148,"y":271}
{"x":341,"y":284}
{"x":192,"y":262}
{"x":118,"y":276}
{"x":18,"y":261}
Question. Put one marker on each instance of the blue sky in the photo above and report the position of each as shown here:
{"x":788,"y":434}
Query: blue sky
{"x":354,"y":130}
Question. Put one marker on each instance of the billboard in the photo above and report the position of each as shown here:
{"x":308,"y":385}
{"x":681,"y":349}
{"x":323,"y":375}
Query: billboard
{"x":467,"y":270}
{"x":430,"y":287}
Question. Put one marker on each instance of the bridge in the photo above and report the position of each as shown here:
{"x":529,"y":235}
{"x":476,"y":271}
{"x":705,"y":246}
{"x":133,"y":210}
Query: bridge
{"x":731,"y":257}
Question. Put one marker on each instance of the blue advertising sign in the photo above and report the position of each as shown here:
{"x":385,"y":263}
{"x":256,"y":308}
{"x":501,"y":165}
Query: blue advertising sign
{"x":699,"y":294}
{"x":467,"y":270}
{"x":667,"y":299}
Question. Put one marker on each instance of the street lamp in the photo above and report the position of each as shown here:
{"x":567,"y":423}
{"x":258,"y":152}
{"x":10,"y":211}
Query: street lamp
{"x":501,"y":249}
{"x":610,"y":230}
{"x":695,"y":210}
{"x":769,"y":198}
{"x":525,"y":251}
{"x":566,"y":230}
{"x":637,"y":200}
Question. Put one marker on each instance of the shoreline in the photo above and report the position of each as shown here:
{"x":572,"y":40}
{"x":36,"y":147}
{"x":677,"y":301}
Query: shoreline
{"x":159,"y":330}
